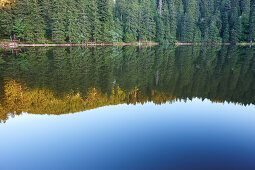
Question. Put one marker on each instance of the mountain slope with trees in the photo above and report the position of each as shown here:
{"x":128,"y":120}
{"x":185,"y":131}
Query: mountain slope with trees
{"x":164,"y":21}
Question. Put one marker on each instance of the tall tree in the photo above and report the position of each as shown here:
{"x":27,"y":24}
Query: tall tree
{"x":252,"y":20}
{"x":190,"y":31}
{"x":235,"y":22}
{"x":225,"y":12}
{"x":59,"y":20}
{"x":6,"y":22}
{"x":106,"y":21}
{"x":34,"y":24}
{"x":93,"y":18}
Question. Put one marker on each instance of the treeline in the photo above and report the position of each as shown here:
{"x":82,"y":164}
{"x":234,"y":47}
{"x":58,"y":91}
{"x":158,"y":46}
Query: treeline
{"x":164,"y":21}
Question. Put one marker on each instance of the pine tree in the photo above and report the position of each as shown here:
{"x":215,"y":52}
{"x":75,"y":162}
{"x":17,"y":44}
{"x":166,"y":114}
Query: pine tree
{"x":150,"y":25}
{"x":165,"y":18}
{"x":235,"y":23}
{"x":77,"y":22}
{"x":19,"y":29}
{"x":83,"y":19}
{"x":59,"y":21}
{"x":159,"y":29}
{"x":6,"y":22}
{"x":47,"y":12}
{"x":225,"y":12}
{"x":32,"y":20}
{"x":190,"y":31}
{"x":117,"y":31}
{"x":214,"y":33}
{"x":245,"y":7}
{"x":93,"y":18}
{"x":172,"y":20}
{"x":252,"y":21}
{"x":244,"y":28}
{"x":132,"y":20}
{"x":105,"y":18}
{"x":180,"y":17}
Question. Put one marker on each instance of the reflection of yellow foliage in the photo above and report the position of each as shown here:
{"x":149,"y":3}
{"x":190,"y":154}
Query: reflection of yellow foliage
{"x":4,"y":3}
{"x":18,"y":99}
{"x":3,"y":115}
{"x":14,"y":97}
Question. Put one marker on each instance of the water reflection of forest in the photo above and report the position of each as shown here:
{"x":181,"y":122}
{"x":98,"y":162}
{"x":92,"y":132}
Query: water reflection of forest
{"x":68,"y":80}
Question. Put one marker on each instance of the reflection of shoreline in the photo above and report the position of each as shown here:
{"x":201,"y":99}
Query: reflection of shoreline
{"x":16,"y":45}
{"x":18,"y":99}
{"x":65,"y":77}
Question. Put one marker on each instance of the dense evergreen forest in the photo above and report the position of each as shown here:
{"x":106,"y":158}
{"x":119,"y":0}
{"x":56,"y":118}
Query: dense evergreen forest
{"x":164,"y":21}
{"x":64,"y":80}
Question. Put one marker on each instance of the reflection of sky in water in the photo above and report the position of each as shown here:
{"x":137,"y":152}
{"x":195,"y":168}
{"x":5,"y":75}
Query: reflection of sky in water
{"x":192,"y":135}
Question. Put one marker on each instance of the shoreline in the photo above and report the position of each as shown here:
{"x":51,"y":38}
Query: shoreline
{"x":16,"y":45}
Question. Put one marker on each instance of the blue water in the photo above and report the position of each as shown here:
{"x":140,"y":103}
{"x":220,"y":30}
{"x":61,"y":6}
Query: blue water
{"x":179,"y":136}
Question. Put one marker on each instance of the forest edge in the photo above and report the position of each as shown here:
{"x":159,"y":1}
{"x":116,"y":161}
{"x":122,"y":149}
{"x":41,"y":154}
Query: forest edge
{"x":15,"y":44}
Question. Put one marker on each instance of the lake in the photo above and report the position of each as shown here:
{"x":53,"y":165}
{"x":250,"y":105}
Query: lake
{"x":127,"y":108}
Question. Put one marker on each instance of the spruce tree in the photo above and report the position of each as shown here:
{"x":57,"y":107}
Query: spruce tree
{"x":6,"y":22}
{"x":235,"y":22}
{"x":159,"y":29}
{"x":18,"y":29}
{"x":47,"y":12}
{"x":93,"y":18}
{"x":252,"y":21}
{"x":165,"y":18}
{"x":33,"y":22}
{"x":59,"y":21}
{"x":78,"y":23}
{"x":105,"y":19}
{"x":172,"y":20}
{"x":225,"y":15}
{"x":117,"y":31}
{"x":190,"y":31}
{"x":132,"y":20}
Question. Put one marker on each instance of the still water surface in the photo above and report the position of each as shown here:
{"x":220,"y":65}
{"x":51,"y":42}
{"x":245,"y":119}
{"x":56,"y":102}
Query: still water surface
{"x":127,"y":108}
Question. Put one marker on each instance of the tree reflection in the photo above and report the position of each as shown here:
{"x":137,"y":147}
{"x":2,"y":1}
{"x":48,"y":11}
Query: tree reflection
{"x":69,"y":80}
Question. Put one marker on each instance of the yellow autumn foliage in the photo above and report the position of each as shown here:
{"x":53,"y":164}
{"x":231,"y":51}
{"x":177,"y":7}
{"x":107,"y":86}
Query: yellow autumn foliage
{"x":18,"y":99}
{"x":4,"y":3}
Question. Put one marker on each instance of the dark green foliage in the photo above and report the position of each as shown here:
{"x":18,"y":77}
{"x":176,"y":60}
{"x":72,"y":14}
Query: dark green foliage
{"x":187,"y":28}
{"x":244,"y":28}
{"x":225,"y":12}
{"x":105,"y":20}
{"x":33,"y":22}
{"x":172,"y":19}
{"x":117,"y":31}
{"x":94,"y":23}
{"x":102,"y":21}
{"x":19,"y":29}
{"x":6,"y":22}
{"x":78,"y":23}
{"x":159,"y":30}
{"x":59,"y":21}
{"x":252,"y":21}
{"x":235,"y":23}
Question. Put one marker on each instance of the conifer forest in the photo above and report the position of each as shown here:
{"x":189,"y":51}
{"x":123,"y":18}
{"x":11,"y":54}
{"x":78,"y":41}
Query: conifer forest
{"x":107,"y":21}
